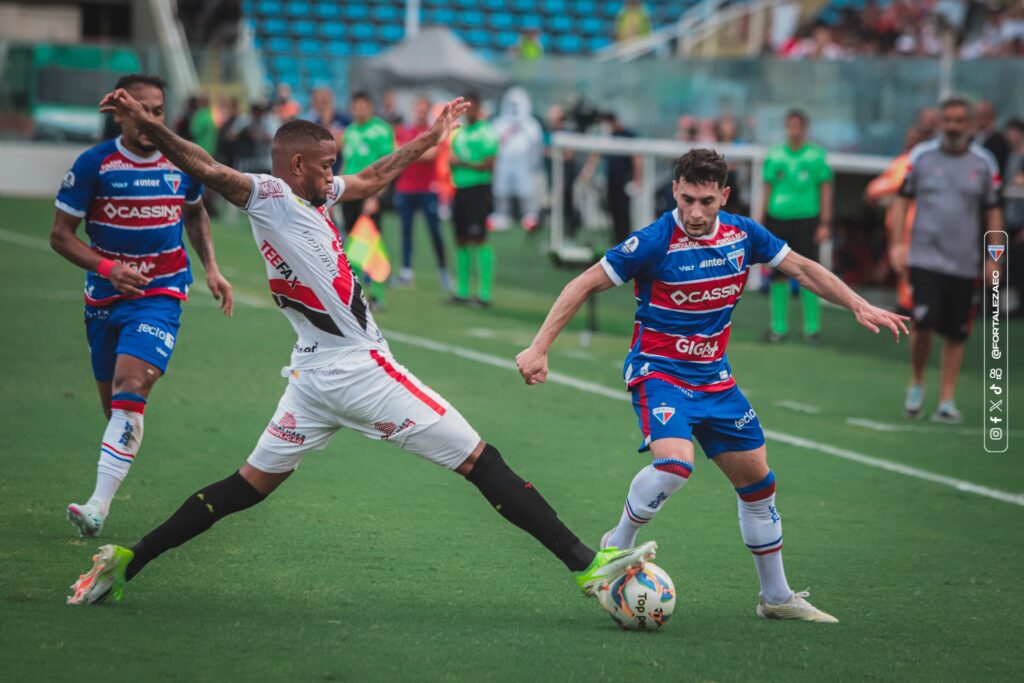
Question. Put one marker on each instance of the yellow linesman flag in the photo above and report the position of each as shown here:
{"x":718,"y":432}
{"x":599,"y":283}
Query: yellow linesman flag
{"x":366,"y":251}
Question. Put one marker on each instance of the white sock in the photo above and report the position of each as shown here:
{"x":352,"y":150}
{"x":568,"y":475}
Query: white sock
{"x":650,"y":488}
{"x":761,"y":528}
{"x":120,"y":445}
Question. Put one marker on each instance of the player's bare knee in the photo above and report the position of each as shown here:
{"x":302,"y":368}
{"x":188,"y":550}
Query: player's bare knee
{"x":135,"y":383}
{"x":469,"y":463}
{"x":264,"y":482}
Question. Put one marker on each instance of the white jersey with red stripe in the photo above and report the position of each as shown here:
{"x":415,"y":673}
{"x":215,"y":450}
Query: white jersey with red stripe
{"x":686,"y":289}
{"x":309,"y":275}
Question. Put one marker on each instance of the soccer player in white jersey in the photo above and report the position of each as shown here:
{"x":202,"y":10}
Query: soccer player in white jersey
{"x":689,"y":268}
{"x":342,"y":373}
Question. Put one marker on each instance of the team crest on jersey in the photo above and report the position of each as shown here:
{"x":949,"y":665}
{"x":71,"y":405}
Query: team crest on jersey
{"x":664,"y":413}
{"x":736,"y":259}
{"x":996,"y":251}
{"x":69,"y":180}
{"x":630,"y":245}
{"x":173,"y":181}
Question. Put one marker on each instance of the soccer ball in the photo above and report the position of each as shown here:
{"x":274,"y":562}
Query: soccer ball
{"x":641,"y":600}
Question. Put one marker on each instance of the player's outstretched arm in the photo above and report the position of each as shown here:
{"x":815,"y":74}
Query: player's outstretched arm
{"x":826,"y":285}
{"x":197,"y":225}
{"x":191,"y":158}
{"x":379,"y":174}
{"x":533,"y":361}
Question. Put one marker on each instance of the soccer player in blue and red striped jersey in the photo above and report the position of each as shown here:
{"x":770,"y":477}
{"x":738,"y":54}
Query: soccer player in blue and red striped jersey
{"x":689,"y":269}
{"x":136,"y":205}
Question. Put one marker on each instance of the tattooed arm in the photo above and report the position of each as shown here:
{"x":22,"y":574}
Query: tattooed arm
{"x":192,"y":159}
{"x":376,"y":177}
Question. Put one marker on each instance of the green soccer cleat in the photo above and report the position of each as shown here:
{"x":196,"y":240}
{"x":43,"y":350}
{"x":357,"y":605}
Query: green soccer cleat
{"x":105,"y":579}
{"x":611,"y":563}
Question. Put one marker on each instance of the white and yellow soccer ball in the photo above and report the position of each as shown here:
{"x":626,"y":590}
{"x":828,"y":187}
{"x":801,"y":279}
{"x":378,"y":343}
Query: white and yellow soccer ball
{"x":641,"y":600}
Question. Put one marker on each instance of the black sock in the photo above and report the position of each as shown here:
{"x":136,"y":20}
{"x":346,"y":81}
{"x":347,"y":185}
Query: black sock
{"x":201,"y":511}
{"x":520,"y":503}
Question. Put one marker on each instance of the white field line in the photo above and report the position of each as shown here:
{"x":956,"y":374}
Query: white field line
{"x":799,"y":442}
{"x":620,"y":395}
{"x":798,"y":407}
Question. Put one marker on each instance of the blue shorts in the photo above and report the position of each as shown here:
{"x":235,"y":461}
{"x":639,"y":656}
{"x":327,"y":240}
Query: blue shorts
{"x":721,"y":420}
{"x":145,"y":328}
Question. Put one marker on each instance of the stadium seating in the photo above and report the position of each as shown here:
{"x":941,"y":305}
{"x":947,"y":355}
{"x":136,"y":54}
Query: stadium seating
{"x":290,"y":32}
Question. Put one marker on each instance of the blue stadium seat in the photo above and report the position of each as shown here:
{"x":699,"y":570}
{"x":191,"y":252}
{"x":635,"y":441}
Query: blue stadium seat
{"x":318,"y":65}
{"x":592,"y":25}
{"x":280,"y":44}
{"x":525,"y":6}
{"x":327,"y":10}
{"x":470,"y":18}
{"x":506,"y":39}
{"x":595,"y":44}
{"x":568,"y":43}
{"x":494,"y":5}
{"x":269,"y":8}
{"x":611,"y":8}
{"x":303,"y":28}
{"x":257,"y":43}
{"x":332,"y":30}
{"x":298,"y":9}
{"x":352,"y":10}
{"x":361,"y":31}
{"x":391,"y":33}
{"x":284,"y":64}
{"x":477,"y":37}
{"x":274,"y":26}
{"x":467,"y":4}
{"x":310,"y":46}
{"x":562,"y":24}
{"x":339,"y":48}
{"x":584,"y":8}
{"x":388,"y":13}
{"x":367,"y":49}
{"x":443,"y":16}
{"x":555,"y":7}
{"x":502,"y":20}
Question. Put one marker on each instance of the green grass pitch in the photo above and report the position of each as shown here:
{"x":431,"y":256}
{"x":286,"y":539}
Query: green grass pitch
{"x":372,"y":565}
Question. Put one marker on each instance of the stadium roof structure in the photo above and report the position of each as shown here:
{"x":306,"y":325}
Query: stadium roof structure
{"x":435,"y":57}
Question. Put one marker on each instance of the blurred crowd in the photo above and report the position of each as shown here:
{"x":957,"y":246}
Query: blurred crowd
{"x":915,"y":28}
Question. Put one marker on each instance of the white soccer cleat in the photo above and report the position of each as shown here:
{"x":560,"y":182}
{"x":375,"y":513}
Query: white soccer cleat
{"x":914,"y":401}
{"x":796,"y":608}
{"x":947,"y":413}
{"x":87,"y":518}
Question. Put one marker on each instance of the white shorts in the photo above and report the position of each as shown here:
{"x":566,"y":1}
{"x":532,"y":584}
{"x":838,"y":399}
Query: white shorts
{"x":376,"y":397}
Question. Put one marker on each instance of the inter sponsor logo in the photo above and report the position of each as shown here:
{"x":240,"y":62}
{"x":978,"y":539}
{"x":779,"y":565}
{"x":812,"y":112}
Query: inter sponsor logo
{"x":711,"y":262}
{"x":284,"y":428}
{"x":146,"y":182}
{"x":306,"y":349}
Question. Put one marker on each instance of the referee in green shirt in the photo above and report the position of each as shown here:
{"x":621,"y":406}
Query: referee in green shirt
{"x":367,"y":139}
{"x":474,"y":147}
{"x":798,"y":209}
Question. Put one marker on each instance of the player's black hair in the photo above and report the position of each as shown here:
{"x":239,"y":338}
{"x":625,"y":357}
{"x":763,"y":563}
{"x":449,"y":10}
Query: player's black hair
{"x":798,"y":114}
{"x":298,"y":132}
{"x":1016,"y":124}
{"x":361,"y":95}
{"x":702,"y":166}
{"x":471,"y":96}
{"x":141,"y":79}
{"x":955,"y":101}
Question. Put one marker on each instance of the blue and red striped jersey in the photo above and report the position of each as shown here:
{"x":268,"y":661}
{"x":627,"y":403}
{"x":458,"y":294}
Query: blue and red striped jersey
{"x":133,"y":211}
{"x":686,"y":289}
